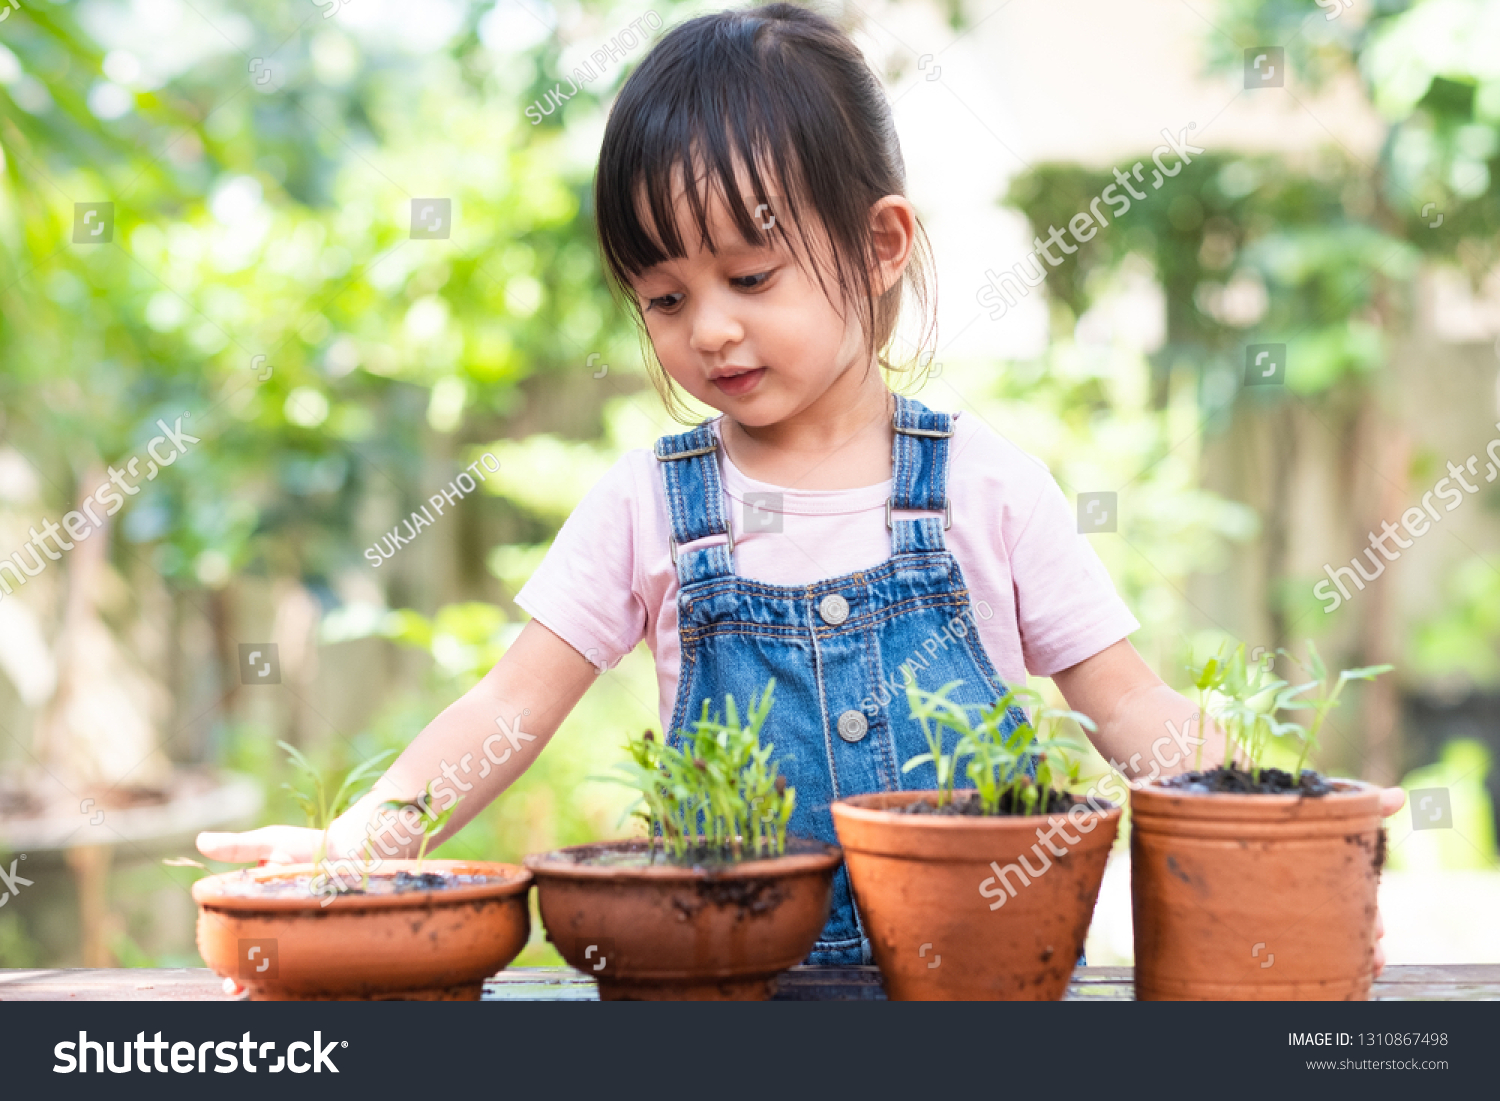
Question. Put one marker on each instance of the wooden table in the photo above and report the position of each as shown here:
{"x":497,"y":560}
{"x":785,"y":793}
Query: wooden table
{"x":1467,"y":982}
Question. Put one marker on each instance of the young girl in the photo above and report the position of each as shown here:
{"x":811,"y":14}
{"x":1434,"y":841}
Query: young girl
{"x":822,"y":530}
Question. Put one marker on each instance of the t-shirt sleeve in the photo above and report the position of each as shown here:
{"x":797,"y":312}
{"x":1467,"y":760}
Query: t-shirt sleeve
{"x":1066,"y":604}
{"x":584,"y":589}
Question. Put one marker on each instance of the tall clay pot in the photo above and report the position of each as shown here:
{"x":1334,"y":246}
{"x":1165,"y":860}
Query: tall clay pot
{"x":693,"y":932}
{"x":971,"y":907}
{"x":1255,"y":897}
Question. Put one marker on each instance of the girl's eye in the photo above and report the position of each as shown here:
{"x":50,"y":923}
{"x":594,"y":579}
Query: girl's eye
{"x":666,"y":304}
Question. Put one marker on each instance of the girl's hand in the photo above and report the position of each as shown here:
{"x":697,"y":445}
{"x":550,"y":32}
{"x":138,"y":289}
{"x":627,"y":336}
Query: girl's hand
{"x":267,"y":845}
{"x":1391,"y":800}
{"x":294,"y":844}
{"x":480,"y":744}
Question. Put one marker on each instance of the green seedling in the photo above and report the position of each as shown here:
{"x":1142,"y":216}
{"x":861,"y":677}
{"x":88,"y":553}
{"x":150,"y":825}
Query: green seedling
{"x":1244,"y":699}
{"x":938,"y":714}
{"x":320,"y":809}
{"x":997,"y":760}
{"x":432,"y":821}
{"x":718,"y":791}
{"x":1327,"y":698}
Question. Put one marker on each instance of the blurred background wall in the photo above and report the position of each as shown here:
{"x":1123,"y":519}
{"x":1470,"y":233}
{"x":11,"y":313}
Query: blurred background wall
{"x":347,"y":248}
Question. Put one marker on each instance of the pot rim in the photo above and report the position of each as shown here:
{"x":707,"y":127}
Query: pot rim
{"x":852,"y":807}
{"x":551,"y":864}
{"x":1345,"y":790}
{"x":208,"y":892}
{"x":1156,"y":809}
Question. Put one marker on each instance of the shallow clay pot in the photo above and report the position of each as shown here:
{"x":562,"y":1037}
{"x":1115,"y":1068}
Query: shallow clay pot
{"x":705,"y":932}
{"x":422,"y":945}
{"x":1255,"y":897}
{"x":943,"y":926}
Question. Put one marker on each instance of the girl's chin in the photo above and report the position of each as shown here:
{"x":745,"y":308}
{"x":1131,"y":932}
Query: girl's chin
{"x":759,"y":410}
{"x":761,"y":406}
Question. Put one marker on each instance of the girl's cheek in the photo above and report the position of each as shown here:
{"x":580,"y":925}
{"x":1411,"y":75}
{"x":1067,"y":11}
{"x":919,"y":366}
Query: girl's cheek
{"x":688,"y":379}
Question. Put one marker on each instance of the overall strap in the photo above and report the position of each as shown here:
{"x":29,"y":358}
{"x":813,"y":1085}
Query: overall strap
{"x":919,"y":481}
{"x":695,"y":500}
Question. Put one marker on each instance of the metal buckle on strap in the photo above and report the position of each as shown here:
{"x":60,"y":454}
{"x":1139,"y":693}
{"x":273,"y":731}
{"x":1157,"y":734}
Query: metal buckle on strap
{"x":947,"y":513}
{"x":709,"y":450}
{"x":728,"y":533}
{"x":930,"y":432}
{"x":693,"y":454}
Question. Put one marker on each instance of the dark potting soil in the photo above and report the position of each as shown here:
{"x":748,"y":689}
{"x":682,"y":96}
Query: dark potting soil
{"x":400,"y":883}
{"x":611,"y":855}
{"x":1268,"y":781}
{"x":967,"y":803}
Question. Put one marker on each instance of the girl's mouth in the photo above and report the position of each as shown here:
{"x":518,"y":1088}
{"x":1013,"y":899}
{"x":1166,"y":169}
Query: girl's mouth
{"x":737,"y":383}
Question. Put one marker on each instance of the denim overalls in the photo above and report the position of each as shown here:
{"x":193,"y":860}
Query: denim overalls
{"x":837,"y":648}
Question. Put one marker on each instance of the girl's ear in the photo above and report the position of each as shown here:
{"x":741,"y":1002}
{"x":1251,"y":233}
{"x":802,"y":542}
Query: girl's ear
{"x":893,"y":223}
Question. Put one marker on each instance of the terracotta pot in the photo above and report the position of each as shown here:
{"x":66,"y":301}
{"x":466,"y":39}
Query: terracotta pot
{"x":668,"y":931}
{"x":424,"y":945}
{"x":951,"y":911}
{"x":1255,"y":897}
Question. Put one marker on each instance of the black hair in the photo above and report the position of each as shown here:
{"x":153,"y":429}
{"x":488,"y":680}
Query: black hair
{"x":781,"y":90}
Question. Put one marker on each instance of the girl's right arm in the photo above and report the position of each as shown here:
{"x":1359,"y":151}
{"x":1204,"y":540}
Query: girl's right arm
{"x":476,"y":748}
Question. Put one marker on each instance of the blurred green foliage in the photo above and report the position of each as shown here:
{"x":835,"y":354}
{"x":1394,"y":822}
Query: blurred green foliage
{"x":1321,"y":254}
{"x":267,"y":230}
{"x":1429,"y":68}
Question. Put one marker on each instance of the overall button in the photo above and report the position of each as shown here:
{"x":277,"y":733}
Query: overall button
{"x":834,"y":609}
{"x":853,"y":725}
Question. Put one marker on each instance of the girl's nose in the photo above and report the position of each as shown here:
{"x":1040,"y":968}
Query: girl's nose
{"x":713,"y":327}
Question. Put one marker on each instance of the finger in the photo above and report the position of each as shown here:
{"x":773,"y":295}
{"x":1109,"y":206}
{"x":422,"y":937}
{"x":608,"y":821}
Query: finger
{"x":236,"y":848}
{"x":1391,"y":800}
{"x":224,"y":846}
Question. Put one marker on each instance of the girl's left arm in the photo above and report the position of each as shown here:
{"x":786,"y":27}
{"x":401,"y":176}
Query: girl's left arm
{"x":1146,"y":729}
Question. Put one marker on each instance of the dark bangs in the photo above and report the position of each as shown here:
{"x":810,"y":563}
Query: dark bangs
{"x":782,"y":92}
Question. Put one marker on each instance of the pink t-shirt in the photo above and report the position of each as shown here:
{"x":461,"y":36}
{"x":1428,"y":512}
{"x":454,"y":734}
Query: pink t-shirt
{"x":608,"y":580}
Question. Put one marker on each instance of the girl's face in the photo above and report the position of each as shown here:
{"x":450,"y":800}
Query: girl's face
{"x":748,"y":331}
